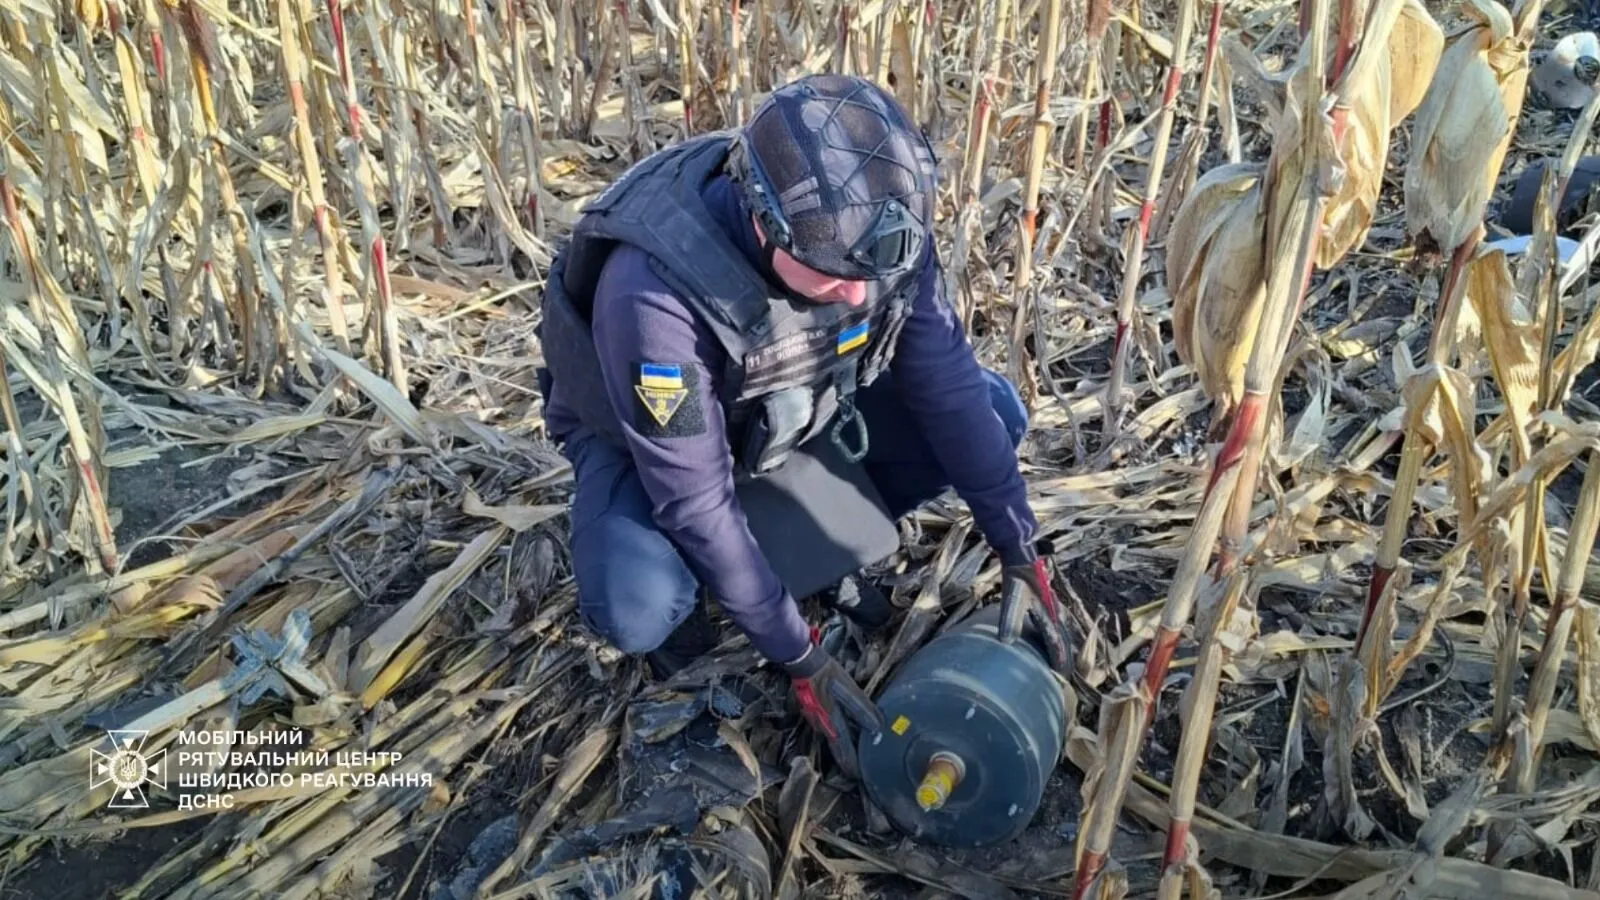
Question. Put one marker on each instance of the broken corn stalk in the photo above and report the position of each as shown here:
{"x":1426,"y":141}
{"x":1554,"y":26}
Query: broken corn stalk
{"x":1542,"y":688}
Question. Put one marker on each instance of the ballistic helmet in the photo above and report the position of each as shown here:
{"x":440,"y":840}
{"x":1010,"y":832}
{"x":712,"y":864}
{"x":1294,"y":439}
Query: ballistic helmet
{"x":838,"y":176}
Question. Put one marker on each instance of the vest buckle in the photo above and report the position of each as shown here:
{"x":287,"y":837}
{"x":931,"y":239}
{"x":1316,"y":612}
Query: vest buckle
{"x":847,"y":414}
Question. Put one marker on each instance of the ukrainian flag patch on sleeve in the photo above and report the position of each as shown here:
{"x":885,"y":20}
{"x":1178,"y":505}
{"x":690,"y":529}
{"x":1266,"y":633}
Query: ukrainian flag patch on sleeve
{"x":851,"y":338}
{"x":669,"y":402}
{"x":660,"y":376}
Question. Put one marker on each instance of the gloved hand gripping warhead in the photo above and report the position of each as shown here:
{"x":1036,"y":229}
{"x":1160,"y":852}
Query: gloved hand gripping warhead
{"x":1025,"y":592}
{"x":831,"y":700}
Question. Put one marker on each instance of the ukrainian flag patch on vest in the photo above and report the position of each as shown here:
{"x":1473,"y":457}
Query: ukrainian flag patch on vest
{"x":851,"y":338}
{"x":668,"y":404}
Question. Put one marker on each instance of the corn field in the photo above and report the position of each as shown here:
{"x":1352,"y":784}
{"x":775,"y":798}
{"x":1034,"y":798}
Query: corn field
{"x":1316,"y":453}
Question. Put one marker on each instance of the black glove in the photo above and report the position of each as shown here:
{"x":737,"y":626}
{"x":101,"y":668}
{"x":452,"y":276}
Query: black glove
{"x":831,"y":700}
{"x":1025,"y":590}
{"x":860,"y":600}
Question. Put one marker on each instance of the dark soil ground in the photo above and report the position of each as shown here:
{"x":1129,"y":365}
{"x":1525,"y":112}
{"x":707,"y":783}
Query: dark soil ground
{"x":144,"y":497}
{"x":159,"y":492}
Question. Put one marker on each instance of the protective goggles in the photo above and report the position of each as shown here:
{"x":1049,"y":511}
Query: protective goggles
{"x":891,"y":244}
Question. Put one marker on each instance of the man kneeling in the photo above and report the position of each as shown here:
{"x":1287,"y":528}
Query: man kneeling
{"x":733,"y":308}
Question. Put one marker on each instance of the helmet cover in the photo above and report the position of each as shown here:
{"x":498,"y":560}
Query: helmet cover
{"x":838,"y":176}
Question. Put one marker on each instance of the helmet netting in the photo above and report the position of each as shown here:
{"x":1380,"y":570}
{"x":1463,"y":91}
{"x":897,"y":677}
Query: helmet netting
{"x":833,"y":149}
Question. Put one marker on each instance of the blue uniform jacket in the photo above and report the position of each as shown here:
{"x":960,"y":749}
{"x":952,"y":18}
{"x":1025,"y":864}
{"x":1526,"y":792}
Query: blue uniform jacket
{"x":689,"y":478}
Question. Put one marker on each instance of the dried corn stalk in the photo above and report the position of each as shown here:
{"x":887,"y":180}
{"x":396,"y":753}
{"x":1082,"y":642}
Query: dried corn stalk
{"x":1215,"y":269}
{"x":1043,"y":125}
{"x":1293,"y":196}
{"x":1463,"y":128}
{"x":1563,"y":609}
{"x":1133,"y":262}
{"x":1304,"y":180}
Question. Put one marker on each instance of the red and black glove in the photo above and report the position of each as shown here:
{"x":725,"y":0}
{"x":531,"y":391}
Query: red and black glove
{"x":1025,"y":592}
{"x":831,"y":701}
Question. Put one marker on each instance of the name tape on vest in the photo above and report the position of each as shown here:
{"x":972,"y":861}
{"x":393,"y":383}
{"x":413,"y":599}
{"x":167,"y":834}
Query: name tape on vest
{"x":802,"y":355}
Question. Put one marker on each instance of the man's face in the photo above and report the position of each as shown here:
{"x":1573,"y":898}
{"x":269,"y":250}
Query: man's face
{"x":810,"y":283}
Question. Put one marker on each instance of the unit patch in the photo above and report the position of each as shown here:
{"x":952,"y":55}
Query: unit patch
{"x":669,"y":403}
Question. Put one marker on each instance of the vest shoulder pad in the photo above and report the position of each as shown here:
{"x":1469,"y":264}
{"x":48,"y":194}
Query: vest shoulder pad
{"x":656,"y":206}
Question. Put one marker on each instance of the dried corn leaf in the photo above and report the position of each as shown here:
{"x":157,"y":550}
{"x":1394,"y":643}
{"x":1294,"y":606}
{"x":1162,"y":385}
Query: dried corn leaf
{"x":1349,"y":212}
{"x":383,"y":393}
{"x":1464,"y":127}
{"x":1395,"y":59}
{"x":89,"y":114}
{"x":275,"y":427}
{"x":1512,"y":340}
{"x":515,"y":517}
{"x":1205,"y":209}
{"x":1228,"y":299}
{"x":1415,"y":47}
{"x":1470,"y":466}
{"x":376,"y":650}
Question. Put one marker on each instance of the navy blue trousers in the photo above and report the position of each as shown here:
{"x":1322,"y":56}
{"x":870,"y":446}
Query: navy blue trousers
{"x":633,"y":586}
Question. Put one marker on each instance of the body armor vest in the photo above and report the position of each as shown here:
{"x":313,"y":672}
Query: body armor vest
{"x":792,"y":367}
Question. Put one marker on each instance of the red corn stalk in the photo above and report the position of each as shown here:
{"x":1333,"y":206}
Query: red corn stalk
{"x":305,"y":140}
{"x":1043,"y":124}
{"x":1294,"y":205}
{"x":1258,"y":376}
{"x":1133,"y":265}
{"x":371,"y":233}
{"x":1199,"y":706}
{"x":78,"y":440}
{"x":1097,"y":19}
{"x":984,"y":101}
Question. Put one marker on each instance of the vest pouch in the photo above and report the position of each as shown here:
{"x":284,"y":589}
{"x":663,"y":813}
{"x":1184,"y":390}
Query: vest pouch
{"x":818,"y":518}
{"x":777,"y":429}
